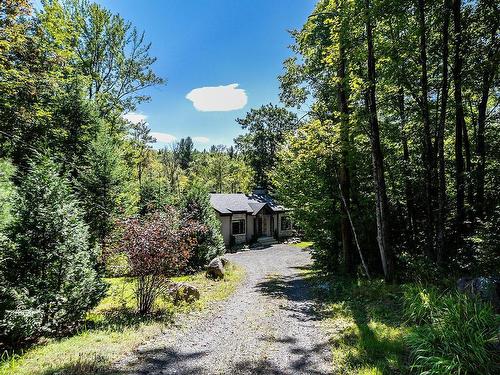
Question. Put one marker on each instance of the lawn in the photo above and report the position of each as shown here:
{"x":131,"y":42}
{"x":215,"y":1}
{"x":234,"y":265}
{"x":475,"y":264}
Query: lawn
{"x":113,"y":329}
{"x":303,"y":244}
{"x":364,"y":323}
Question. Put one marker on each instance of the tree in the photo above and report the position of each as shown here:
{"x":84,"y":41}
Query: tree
{"x":59,"y":282}
{"x":141,"y":142}
{"x":112,"y":54}
{"x":184,"y":152}
{"x":195,"y":205}
{"x":267,"y":127}
{"x":157,"y":246}
{"x":459,"y":116}
{"x":171,"y":169}
{"x":104,"y":186}
{"x":220,"y":172}
{"x":382,"y":208}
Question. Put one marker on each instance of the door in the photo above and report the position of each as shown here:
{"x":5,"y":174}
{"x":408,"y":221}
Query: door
{"x":259,"y":226}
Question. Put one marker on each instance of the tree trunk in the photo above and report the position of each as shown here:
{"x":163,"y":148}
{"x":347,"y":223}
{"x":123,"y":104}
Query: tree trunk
{"x":377,"y":158}
{"x":345,"y":183}
{"x":427,"y":142}
{"x":410,"y":205}
{"x":468,"y":168}
{"x":481,"y":144}
{"x":441,"y":236}
{"x":459,"y":117}
{"x":490,"y":69}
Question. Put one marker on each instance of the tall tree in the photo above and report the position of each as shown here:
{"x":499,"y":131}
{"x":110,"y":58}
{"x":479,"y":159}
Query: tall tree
{"x":427,"y":140}
{"x":459,"y":116}
{"x":266,"y":128}
{"x":486,"y":16}
{"x":113,"y":54}
{"x":59,"y":282}
{"x":382,"y":207}
{"x":440,"y":134}
{"x":184,"y":152}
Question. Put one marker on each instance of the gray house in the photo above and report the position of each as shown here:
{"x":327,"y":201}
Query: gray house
{"x":251,"y":217}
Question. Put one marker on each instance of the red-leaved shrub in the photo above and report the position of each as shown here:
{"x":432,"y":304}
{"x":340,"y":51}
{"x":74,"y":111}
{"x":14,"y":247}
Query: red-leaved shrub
{"x":157,"y":246}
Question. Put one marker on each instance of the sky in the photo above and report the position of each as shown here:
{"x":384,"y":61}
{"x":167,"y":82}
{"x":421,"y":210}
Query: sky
{"x":220,"y":58}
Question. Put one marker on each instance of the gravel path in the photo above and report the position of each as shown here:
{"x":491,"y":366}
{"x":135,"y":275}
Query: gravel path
{"x":268,"y":326}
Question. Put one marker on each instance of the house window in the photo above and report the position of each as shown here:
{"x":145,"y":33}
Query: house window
{"x":239,"y":226}
{"x":286,"y":223}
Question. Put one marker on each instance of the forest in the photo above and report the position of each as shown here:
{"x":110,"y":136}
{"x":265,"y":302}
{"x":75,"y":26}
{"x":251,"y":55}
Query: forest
{"x":385,"y":145}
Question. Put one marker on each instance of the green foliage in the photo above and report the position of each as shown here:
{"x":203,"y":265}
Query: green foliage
{"x":196,"y":205}
{"x":59,"y":282}
{"x":7,"y":192}
{"x":104,"y":185}
{"x":183,"y":152}
{"x":308,"y":161}
{"x":221,"y":171}
{"x":456,"y":333}
{"x":420,"y":303}
{"x":124,"y":66}
{"x":266,"y":129}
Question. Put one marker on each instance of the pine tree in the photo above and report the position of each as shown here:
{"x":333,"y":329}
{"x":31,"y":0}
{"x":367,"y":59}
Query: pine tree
{"x":59,"y":282}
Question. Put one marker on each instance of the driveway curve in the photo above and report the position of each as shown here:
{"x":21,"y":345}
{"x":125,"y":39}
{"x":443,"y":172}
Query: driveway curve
{"x":268,"y":326}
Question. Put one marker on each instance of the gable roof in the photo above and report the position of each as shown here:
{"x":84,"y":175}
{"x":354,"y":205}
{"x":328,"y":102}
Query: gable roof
{"x":243,"y":203}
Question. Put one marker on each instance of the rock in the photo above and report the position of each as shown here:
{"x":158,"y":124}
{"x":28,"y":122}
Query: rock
{"x":225,"y":262}
{"x":486,"y":288}
{"x":215,"y":268}
{"x":183,"y":292}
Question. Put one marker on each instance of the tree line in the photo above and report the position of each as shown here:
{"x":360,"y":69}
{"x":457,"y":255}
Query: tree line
{"x":392,"y":165}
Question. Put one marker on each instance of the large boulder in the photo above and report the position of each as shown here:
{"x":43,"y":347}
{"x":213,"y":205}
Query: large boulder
{"x":215,"y":268}
{"x":183,"y":292}
{"x":486,"y":288}
{"x":225,"y":262}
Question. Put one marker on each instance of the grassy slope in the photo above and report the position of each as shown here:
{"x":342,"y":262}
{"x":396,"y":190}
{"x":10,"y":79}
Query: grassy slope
{"x":112,"y":329}
{"x":365,"y":325}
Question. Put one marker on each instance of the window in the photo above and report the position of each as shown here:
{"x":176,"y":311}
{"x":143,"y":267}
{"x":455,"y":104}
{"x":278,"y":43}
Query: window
{"x":239,"y":226}
{"x":286,"y":223}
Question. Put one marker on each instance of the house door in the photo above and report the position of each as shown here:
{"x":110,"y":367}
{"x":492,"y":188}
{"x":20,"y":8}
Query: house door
{"x":259,"y":226}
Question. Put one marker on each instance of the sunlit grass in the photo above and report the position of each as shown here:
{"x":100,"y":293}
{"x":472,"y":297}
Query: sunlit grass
{"x":113,"y":329}
{"x":303,"y":244}
{"x":364,"y":323}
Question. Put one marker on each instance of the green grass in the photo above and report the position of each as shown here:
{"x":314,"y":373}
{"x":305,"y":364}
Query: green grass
{"x":303,"y":244}
{"x":113,"y":329}
{"x":364,"y":323}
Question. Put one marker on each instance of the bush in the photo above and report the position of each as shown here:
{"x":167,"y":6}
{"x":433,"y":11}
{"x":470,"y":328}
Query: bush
{"x":50,"y":244}
{"x":157,"y":246}
{"x":196,"y":206}
{"x":420,"y":303}
{"x":456,"y":335}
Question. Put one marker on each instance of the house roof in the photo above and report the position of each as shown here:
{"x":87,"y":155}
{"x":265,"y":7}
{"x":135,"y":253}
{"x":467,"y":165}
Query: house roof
{"x":243,"y":203}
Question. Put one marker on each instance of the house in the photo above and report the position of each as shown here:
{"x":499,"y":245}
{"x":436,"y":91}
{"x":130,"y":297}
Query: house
{"x":252,"y":217}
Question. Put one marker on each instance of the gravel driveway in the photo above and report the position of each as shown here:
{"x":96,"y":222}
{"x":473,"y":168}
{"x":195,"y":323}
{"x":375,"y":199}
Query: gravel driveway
{"x":268,"y":326}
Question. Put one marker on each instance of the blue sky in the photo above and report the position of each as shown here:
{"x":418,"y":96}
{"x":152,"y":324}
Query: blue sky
{"x":211,"y":43}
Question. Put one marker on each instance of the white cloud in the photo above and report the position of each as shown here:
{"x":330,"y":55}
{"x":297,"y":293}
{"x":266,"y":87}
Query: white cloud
{"x":163,"y":137}
{"x":135,"y":117}
{"x":201,"y":139}
{"x":218,"y":98}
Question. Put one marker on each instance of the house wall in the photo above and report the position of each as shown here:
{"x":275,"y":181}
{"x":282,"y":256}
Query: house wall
{"x":283,"y":233}
{"x":226,"y":225}
{"x":240,"y":238}
{"x":225,"y":222}
{"x":250,"y":227}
